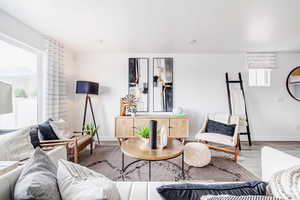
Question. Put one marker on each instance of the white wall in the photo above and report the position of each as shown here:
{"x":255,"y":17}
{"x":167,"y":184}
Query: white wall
{"x":199,"y":86}
{"x":19,"y":31}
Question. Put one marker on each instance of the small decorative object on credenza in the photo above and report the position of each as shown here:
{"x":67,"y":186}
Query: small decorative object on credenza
{"x":153,"y":134}
{"x":128,"y":105}
{"x":88,"y":88}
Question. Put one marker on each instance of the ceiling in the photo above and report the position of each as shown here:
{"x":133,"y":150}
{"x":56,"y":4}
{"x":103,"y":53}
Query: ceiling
{"x":164,"y":26}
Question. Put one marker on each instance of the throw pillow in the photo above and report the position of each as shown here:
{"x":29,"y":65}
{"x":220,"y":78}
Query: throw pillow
{"x":17,"y":145}
{"x":196,"y":191}
{"x":218,"y":127}
{"x":61,"y":129}
{"x":285,"y":184}
{"x":228,"y":197}
{"x":37,"y":179}
{"x":46,"y":131}
{"x":34,"y":136}
{"x":77,"y":182}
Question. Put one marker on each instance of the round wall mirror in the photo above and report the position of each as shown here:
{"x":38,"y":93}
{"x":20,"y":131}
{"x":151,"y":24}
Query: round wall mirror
{"x":293,"y":83}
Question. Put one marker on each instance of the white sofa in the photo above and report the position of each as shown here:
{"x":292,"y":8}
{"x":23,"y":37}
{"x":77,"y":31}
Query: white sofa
{"x":147,"y":190}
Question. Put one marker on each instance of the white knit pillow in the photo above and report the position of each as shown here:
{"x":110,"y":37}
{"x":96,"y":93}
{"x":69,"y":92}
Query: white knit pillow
{"x":285,"y":184}
{"x":61,"y":129}
{"x":76,"y":182}
{"x":16,"y":145}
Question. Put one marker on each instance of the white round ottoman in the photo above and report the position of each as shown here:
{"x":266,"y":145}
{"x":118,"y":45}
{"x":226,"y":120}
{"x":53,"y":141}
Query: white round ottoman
{"x":197,"y":154}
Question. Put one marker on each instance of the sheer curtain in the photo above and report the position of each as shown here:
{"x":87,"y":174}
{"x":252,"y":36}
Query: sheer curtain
{"x":55,"y":93}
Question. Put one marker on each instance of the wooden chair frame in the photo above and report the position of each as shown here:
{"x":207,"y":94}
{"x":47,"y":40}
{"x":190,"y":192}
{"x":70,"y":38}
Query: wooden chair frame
{"x":66,"y":142}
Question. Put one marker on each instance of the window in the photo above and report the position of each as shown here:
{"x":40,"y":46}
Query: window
{"x":260,"y":65}
{"x":19,"y":67}
{"x":260,"y":77}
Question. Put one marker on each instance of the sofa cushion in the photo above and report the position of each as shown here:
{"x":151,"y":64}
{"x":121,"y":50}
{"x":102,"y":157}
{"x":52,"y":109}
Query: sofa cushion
{"x":37,"y":180}
{"x":46,"y":131}
{"x":196,"y":191}
{"x":220,"y":128}
{"x":17,"y":145}
{"x":77,"y":182}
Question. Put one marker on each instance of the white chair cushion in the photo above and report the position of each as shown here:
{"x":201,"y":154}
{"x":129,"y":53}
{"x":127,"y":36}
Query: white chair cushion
{"x":197,"y":154}
{"x":216,"y":138}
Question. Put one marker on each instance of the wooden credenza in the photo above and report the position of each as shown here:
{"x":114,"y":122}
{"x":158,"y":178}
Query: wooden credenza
{"x":127,"y":126}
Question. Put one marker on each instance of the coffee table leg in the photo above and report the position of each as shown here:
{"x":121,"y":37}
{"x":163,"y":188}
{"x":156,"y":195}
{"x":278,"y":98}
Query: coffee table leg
{"x":122,"y":161}
{"x":149,"y":170}
{"x":182,"y":166}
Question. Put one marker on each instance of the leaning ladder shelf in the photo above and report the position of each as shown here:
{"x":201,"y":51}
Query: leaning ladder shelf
{"x":240,"y":82}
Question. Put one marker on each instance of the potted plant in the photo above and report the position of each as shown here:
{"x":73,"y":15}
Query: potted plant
{"x":90,"y":129}
{"x":144,"y":133}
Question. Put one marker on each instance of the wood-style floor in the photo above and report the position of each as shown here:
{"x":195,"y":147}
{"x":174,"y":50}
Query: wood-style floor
{"x":250,"y":157}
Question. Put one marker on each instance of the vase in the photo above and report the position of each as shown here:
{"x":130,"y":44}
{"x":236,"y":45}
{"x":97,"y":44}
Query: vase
{"x":145,"y":142}
{"x":163,"y":137}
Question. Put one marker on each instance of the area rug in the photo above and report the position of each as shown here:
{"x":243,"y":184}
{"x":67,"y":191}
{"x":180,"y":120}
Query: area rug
{"x":107,"y":160}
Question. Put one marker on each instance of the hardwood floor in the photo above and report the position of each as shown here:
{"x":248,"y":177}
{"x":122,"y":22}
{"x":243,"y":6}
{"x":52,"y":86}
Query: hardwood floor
{"x":250,"y":157}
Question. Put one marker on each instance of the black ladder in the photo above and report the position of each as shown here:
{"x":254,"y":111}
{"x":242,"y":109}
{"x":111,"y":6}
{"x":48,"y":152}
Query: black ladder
{"x":240,"y":81}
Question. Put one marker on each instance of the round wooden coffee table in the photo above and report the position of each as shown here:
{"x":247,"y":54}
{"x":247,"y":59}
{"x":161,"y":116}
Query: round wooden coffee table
{"x":136,"y":148}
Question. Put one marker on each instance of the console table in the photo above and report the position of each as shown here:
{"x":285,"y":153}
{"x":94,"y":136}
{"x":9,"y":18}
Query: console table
{"x":127,"y":126}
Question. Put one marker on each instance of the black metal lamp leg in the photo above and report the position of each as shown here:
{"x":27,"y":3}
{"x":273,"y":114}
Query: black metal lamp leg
{"x":149,"y":170}
{"x":182,"y":166}
{"x":94,"y":118}
{"x":84,"y":113}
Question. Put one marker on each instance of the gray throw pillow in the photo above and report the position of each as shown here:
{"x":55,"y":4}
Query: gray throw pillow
{"x":37,"y":180}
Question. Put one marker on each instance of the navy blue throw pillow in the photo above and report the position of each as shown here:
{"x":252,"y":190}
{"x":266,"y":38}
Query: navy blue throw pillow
{"x":47,"y":131}
{"x":188,"y":191}
{"x":218,"y":127}
{"x":34,"y":137}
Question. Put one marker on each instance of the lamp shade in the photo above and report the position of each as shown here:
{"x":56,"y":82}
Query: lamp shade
{"x":5,"y":98}
{"x":87,"y":87}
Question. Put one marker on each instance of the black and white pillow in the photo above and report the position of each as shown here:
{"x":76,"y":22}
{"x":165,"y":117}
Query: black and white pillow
{"x":228,"y":197}
{"x":46,"y":131}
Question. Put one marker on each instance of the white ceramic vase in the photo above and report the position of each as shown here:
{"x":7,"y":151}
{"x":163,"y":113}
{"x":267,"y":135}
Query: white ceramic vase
{"x":163,"y":137}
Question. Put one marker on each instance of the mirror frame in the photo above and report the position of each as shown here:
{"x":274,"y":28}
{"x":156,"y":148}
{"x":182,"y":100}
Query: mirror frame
{"x":287,"y":83}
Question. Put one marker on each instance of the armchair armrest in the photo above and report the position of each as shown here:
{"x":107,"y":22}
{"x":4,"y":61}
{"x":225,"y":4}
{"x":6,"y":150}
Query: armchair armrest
{"x":56,"y":141}
{"x":203,"y":128}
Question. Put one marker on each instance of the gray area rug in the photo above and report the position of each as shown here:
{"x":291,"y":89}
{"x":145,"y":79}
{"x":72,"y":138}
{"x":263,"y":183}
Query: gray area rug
{"x":107,"y":160}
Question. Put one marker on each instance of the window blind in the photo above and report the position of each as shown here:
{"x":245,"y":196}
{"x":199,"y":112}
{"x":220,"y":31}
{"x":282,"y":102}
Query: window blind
{"x":261,"y":60}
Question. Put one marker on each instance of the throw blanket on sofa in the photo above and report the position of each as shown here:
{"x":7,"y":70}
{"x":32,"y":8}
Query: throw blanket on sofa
{"x":285,"y":184}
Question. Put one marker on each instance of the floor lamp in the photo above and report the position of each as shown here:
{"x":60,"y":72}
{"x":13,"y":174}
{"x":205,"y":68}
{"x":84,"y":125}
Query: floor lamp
{"x":88,"y":88}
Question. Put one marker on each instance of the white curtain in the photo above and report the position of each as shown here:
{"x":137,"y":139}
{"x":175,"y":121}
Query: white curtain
{"x":55,"y":93}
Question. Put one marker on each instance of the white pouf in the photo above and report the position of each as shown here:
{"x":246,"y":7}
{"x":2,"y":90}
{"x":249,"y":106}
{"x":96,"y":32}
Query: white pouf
{"x":197,"y":154}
